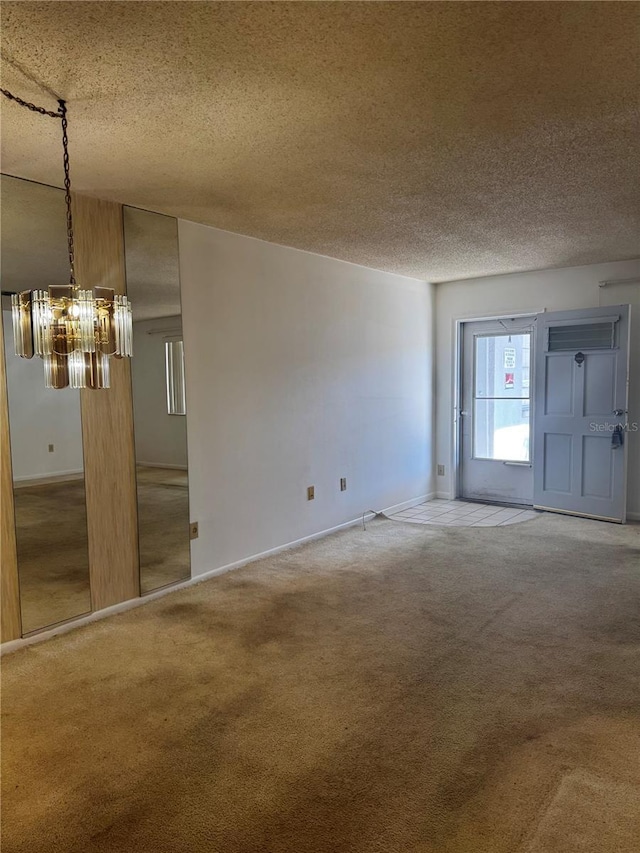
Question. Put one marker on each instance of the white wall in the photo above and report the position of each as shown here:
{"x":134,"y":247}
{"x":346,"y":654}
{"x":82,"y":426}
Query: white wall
{"x":300,"y":369}
{"x":161,"y":439}
{"x":553,"y":290}
{"x":38,"y":417}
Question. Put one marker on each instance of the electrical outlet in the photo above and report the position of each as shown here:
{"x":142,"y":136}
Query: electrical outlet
{"x":311,"y":492}
{"x":343,"y":484}
{"x":440,"y":470}
{"x":193,"y":530}
{"x":51,"y":448}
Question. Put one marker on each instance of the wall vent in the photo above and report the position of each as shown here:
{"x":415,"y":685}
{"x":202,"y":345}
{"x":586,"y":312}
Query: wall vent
{"x":582,"y":336}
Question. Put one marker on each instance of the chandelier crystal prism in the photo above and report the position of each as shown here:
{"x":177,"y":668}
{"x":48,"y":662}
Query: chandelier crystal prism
{"x":74,"y":330}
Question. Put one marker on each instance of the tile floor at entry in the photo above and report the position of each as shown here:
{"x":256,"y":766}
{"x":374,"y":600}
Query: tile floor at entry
{"x":464,"y":514}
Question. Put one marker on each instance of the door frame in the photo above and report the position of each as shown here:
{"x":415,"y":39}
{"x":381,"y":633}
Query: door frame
{"x":458,"y":368}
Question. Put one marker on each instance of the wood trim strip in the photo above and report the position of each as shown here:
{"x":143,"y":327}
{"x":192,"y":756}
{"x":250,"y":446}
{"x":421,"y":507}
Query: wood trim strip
{"x":107,"y":421}
{"x":10,"y":620}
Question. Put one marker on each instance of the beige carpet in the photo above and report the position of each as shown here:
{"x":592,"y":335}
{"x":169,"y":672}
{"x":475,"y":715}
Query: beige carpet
{"x":404,"y":689}
{"x":51,"y":532}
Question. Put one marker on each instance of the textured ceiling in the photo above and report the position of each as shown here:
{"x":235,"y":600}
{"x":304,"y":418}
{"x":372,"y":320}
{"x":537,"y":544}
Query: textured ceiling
{"x":34,"y":248}
{"x":439,"y":140}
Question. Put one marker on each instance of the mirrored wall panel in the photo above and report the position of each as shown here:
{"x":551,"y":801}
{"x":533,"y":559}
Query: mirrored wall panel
{"x":45,"y":425}
{"x":159,"y":403}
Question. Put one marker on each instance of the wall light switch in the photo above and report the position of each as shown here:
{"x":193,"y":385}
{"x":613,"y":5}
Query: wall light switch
{"x":193,"y":530}
{"x":440,"y":470}
{"x":343,"y":484}
{"x":51,"y":448}
{"x":311,"y":493}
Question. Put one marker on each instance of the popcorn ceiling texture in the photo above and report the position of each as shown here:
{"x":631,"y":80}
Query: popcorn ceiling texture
{"x":438,"y":140}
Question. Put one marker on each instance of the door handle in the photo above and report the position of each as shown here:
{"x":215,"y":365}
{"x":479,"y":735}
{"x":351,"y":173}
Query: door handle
{"x":619,"y":412}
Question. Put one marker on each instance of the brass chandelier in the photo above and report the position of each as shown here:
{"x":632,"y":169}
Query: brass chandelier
{"x":74,"y":330}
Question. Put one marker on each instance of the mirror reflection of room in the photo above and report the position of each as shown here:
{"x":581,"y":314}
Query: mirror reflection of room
{"x":44,"y":424}
{"x":159,"y":402}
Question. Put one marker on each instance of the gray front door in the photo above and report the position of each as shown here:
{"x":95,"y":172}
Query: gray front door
{"x":581,"y":391}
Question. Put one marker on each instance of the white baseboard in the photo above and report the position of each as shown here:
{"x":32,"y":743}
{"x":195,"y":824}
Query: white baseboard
{"x":313,"y":536}
{"x":406,"y":504}
{"x":45,"y":479}
{"x":65,"y":627}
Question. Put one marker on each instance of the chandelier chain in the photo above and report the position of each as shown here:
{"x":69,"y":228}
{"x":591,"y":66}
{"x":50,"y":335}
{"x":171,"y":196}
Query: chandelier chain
{"x":29,"y":105}
{"x":67,"y":192}
{"x":61,"y":114}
